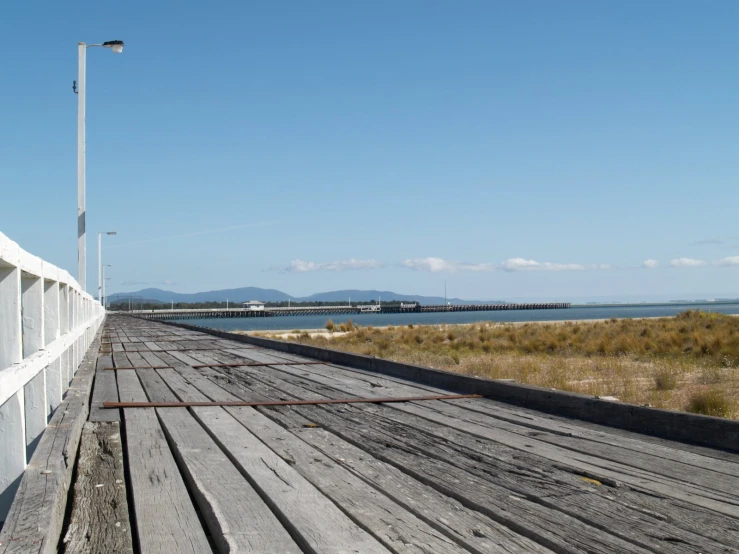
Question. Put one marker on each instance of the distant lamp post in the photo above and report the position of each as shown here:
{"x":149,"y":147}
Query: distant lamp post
{"x":100,"y":263}
{"x":105,"y":297}
{"x":79,"y":88}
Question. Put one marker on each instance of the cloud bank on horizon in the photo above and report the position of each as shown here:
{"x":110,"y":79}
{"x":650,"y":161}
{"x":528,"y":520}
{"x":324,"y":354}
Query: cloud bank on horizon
{"x":439,"y":265}
{"x":436,"y":265}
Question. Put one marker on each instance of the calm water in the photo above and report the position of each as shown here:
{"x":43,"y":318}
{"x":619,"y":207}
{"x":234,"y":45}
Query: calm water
{"x":585,"y":312}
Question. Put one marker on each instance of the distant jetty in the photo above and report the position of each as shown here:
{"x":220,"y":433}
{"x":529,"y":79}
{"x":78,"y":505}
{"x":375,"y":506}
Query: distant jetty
{"x":403,"y":308}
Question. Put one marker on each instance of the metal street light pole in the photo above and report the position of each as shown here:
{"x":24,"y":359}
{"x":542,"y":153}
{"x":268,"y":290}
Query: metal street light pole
{"x":100,"y":263}
{"x":79,"y":87}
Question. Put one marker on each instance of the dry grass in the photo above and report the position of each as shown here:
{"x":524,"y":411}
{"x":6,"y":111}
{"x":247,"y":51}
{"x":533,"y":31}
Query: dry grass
{"x":712,"y":403}
{"x":667,"y":362}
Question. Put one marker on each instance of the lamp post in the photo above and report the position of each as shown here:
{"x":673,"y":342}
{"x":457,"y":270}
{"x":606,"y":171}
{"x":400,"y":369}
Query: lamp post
{"x":79,"y":87}
{"x":105,"y":298}
{"x":100,"y":263}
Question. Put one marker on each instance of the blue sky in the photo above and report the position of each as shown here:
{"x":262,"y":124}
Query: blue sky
{"x":520,"y":149}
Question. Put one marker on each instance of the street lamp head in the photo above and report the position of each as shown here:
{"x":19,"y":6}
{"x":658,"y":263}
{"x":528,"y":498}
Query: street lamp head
{"x":111,"y":233}
{"x":115,"y":45}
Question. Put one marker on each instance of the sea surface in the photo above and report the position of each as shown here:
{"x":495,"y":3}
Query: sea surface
{"x":436,"y":318}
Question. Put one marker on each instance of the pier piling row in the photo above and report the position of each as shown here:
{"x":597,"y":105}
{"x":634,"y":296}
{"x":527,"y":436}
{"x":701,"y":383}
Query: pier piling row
{"x":168,"y":315}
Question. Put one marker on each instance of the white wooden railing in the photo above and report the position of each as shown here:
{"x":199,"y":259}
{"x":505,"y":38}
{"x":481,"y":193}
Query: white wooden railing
{"x":47,"y":323}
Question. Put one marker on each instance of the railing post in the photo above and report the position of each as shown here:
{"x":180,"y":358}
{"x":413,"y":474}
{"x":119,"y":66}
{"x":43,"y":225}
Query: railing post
{"x":11,"y":345}
{"x":72,"y":326}
{"x":63,"y":330}
{"x":52,"y":331}
{"x":34,"y":392}
{"x":12,"y":428}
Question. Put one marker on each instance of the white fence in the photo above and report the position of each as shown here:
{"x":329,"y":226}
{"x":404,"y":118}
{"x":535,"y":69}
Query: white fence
{"x":46,"y":326}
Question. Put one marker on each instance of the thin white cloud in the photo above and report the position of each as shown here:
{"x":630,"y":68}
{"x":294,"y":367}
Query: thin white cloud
{"x":727,"y":262}
{"x":687,"y":262}
{"x":301,"y":266}
{"x":436,"y":265}
{"x":650,"y":263}
{"x":522,"y":264}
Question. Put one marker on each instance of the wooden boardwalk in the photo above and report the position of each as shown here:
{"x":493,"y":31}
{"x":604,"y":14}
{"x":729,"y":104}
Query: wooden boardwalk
{"x":423,"y":477}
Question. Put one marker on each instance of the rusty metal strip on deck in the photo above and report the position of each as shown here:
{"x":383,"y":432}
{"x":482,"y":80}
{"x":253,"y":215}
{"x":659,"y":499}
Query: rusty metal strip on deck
{"x":287,"y":402}
{"x":141,"y":367}
{"x":252,"y":364}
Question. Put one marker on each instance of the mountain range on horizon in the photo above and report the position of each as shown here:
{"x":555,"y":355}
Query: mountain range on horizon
{"x":244,"y":294}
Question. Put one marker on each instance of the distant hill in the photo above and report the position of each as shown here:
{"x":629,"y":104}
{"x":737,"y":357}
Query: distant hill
{"x":245,"y":294}
{"x":385,"y":296}
{"x":234,"y":295}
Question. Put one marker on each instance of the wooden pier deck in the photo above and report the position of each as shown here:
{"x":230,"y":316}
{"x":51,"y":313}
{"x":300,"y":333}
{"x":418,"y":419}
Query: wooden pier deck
{"x":422,"y":477}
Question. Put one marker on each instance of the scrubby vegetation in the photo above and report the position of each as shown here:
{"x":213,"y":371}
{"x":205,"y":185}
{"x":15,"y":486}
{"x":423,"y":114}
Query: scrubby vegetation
{"x":689,"y":362}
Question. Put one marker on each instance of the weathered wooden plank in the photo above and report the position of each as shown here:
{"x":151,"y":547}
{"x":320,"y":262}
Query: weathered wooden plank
{"x":238,"y":518}
{"x":136,"y":359}
{"x":236,"y":515}
{"x":626,"y":441}
{"x":548,"y":527}
{"x":165,"y":345}
{"x":467,"y":410}
{"x":99,"y":521}
{"x":129,"y":387}
{"x":319,"y":525}
{"x":166,"y":519}
{"x":120,"y":359}
{"x":595,"y":432}
{"x":620,"y":515}
{"x":445,"y":413}
{"x":397,"y":528}
{"x":605,"y":507}
{"x":704,"y":478}
{"x":638,"y":452}
{"x":314,"y":518}
{"x":34,"y":523}
{"x":405,"y":515}
{"x":104,"y":390}
{"x":567,"y":487}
